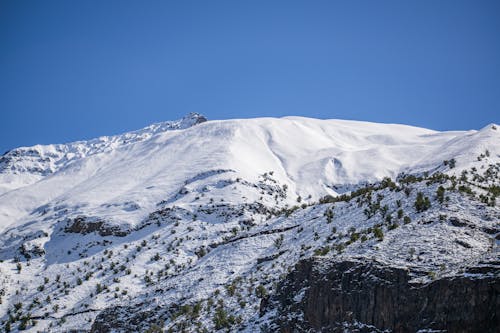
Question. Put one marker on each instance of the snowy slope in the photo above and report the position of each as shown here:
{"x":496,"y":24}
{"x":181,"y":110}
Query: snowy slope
{"x":26,"y":165}
{"x":193,"y":199}
{"x":311,"y":156}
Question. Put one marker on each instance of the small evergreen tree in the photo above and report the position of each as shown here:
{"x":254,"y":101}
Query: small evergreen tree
{"x":452,"y":163}
{"x":329,"y":215}
{"x":422,"y":203}
{"x":154,"y":329}
{"x":440,"y":194}
{"x":260,"y":291}
{"x":278,"y":241}
{"x":221,"y":319}
{"x":377,"y":232}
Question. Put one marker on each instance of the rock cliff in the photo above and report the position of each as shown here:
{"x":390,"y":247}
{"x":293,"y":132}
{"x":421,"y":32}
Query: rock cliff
{"x":328,"y":297}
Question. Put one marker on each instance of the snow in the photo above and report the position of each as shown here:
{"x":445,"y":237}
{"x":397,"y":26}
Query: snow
{"x":309,"y":155}
{"x":203,"y":180}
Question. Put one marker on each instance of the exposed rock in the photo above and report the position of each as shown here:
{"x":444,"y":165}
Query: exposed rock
{"x":324,"y":296}
{"x":456,"y":222}
{"x":31,"y":251}
{"x":464,"y":244}
{"x":85,"y":225}
{"x":127,"y":319}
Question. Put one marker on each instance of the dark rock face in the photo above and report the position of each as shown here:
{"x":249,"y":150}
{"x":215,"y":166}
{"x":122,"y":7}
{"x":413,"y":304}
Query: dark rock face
{"x":84,"y":225}
{"x":11,"y":161}
{"x":322,"y":296}
{"x":127,"y":319}
{"x":31,"y":252}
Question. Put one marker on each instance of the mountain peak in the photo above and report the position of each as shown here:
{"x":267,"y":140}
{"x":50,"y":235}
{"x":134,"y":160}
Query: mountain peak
{"x":39,"y":161}
{"x":193,"y":118}
{"x":180,"y":226}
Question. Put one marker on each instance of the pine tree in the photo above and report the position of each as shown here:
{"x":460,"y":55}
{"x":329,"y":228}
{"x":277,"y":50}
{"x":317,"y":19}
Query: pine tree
{"x":422,"y":202}
{"x":440,"y":194}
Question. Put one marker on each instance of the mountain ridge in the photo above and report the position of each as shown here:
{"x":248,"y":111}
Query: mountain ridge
{"x":201,"y":228}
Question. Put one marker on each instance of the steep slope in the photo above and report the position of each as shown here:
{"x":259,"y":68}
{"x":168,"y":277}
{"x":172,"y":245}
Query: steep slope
{"x":26,"y":165}
{"x":311,"y":156}
{"x":193,"y":227}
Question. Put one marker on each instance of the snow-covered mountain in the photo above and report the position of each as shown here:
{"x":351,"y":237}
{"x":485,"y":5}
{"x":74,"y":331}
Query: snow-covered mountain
{"x":197,"y":225}
{"x":34,"y":163}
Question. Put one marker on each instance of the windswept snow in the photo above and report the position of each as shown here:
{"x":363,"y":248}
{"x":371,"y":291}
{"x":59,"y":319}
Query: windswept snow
{"x":178,"y":211}
{"x":311,"y":156}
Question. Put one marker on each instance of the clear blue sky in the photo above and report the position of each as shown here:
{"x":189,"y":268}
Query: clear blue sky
{"x":74,"y":70}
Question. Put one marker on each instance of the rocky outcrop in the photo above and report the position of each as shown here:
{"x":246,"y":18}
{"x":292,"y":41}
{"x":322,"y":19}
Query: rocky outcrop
{"x":85,"y":225}
{"x":325,"y":296}
{"x":43,"y":160}
{"x":29,"y":251}
{"x":128,"y":319}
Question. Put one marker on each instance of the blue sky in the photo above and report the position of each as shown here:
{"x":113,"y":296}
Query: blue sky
{"x":74,"y":70}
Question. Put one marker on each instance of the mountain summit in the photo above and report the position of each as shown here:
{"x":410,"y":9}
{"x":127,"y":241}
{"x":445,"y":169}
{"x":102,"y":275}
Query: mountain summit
{"x":26,"y":165}
{"x":252,"y":225}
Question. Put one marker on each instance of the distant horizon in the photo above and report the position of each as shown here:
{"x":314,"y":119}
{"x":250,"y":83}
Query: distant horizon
{"x":73,"y":71}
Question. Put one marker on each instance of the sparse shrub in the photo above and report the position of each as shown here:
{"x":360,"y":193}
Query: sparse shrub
{"x":322,"y":251}
{"x":440,"y":194}
{"x":422,"y":203}
{"x":221,"y":319}
{"x":393,"y":226}
{"x":154,"y":328}
{"x":465,"y":189}
{"x":451,"y":163}
{"x":329,"y":215}
{"x":340,"y":247}
{"x":260,"y":291}
{"x":278,"y":242}
{"x":231,"y":289}
{"x":377,"y":232}
{"x":196,"y":310}
{"x":23,"y":324}
{"x":18,"y":306}
{"x":201,"y":252}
